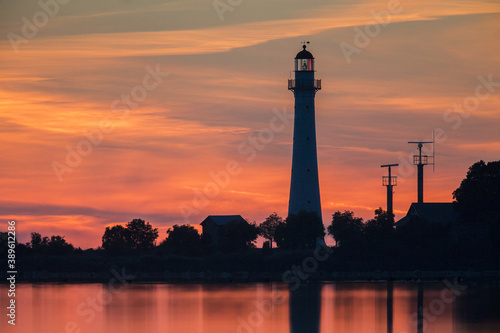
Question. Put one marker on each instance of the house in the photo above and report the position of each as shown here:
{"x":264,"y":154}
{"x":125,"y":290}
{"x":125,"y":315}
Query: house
{"x":441,"y":214}
{"x":213,"y":223}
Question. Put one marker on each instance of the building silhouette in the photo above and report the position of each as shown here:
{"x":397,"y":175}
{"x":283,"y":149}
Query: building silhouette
{"x":432,"y":213}
{"x":211,"y":226}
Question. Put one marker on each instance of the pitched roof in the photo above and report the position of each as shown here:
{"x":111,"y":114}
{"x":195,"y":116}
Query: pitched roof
{"x":432,"y":212}
{"x":223,"y":219}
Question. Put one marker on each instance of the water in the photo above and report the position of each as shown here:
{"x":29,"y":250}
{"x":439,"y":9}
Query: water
{"x":329,"y":307}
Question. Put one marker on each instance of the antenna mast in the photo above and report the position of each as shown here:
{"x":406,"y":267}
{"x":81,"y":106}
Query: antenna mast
{"x":433,"y":151}
{"x":389,"y":181}
{"x":420,"y":160}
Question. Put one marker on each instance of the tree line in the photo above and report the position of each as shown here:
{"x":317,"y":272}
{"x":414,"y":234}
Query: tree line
{"x":477,"y":201}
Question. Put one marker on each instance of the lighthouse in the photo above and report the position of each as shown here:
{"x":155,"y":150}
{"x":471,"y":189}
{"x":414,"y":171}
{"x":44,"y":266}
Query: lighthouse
{"x":304,"y":185}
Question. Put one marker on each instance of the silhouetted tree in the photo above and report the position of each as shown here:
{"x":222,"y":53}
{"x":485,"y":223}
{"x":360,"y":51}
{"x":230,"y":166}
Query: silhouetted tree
{"x":345,"y":228}
{"x":268,"y":227}
{"x":58,"y":245}
{"x":478,"y":197}
{"x":3,"y":242}
{"x":54,"y":245}
{"x":183,"y":240}
{"x":116,"y":239}
{"x":237,"y":236}
{"x":380,"y":226}
{"x":20,"y":249}
{"x":379,"y":235}
{"x":38,"y":242}
{"x":303,"y":230}
{"x":142,"y":234}
{"x":137,"y":235}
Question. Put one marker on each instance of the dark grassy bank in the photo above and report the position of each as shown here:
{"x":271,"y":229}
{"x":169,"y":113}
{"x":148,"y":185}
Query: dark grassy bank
{"x":251,"y":265}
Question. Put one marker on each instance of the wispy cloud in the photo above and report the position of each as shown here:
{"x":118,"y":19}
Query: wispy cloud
{"x":225,"y":78}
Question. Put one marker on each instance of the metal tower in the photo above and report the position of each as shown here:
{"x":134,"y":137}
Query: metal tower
{"x":304,"y":185}
{"x":389,"y":181}
{"x":421,"y":160}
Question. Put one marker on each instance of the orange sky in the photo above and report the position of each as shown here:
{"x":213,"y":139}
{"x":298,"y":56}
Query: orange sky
{"x":225,"y":78}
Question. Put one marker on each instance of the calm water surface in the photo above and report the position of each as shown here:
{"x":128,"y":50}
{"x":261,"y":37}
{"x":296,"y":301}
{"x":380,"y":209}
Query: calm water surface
{"x":329,"y":307}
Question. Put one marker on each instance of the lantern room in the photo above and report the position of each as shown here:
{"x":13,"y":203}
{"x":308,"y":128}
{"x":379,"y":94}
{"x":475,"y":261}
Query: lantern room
{"x":304,"y":61}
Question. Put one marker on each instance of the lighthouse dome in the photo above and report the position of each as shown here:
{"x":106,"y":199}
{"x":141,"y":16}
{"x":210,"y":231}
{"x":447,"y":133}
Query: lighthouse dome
{"x":304,"y":54}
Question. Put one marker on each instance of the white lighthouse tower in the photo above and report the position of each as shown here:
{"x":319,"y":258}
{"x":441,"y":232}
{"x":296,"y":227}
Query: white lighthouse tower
{"x":304,"y":186}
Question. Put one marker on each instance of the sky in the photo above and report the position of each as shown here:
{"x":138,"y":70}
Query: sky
{"x":170,"y":111}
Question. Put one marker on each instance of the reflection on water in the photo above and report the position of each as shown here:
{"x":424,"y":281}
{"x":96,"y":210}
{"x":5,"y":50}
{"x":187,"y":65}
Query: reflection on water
{"x":305,"y":308}
{"x":252,"y":308}
{"x":420,"y":308}
{"x":390,"y":300}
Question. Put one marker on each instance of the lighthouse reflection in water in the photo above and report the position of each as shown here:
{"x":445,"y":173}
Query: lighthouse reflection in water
{"x":211,"y":308}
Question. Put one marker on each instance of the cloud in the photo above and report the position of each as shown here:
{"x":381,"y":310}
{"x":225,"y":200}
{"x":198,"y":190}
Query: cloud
{"x":225,"y":80}
{"x":226,"y":38}
{"x":485,"y":146}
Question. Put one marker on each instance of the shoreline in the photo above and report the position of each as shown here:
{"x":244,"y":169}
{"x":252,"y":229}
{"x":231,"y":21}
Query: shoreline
{"x":254,"y":277}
